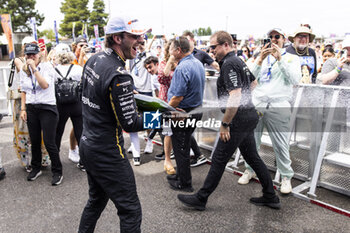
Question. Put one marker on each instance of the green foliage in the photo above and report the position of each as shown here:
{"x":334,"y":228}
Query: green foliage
{"x":74,"y":11}
{"x":21,"y":11}
{"x":48,"y":33}
{"x":202,"y":32}
{"x":97,"y":16}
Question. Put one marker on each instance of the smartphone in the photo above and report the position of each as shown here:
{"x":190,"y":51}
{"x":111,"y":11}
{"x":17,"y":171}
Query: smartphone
{"x":267,"y":41}
{"x":41,"y":44}
{"x":159,"y":36}
{"x":344,"y":53}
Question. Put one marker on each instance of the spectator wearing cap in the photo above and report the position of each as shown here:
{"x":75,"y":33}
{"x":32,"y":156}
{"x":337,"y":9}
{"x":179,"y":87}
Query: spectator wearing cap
{"x":109,"y":108}
{"x":276,"y":72}
{"x":39,"y":111}
{"x":337,"y":71}
{"x":80,"y":49}
{"x":328,"y":44}
{"x":300,"y":46}
{"x":21,"y":136}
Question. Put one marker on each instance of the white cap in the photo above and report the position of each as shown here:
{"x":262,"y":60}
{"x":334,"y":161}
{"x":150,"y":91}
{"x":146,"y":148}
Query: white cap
{"x":278,"y":30}
{"x":62,"y":48}
{"x":346,"y":42}
{"x":125,"y":24}
{"x":28,"y":39}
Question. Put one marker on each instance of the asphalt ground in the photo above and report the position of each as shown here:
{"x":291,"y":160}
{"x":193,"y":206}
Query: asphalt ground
{"x":39,"y":207}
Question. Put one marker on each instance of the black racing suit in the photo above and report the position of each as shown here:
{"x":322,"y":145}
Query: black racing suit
{"x":234,"y":74}
{"x":109,"y":107}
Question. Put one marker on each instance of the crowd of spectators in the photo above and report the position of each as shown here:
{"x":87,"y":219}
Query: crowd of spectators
{"x":172,"y":71}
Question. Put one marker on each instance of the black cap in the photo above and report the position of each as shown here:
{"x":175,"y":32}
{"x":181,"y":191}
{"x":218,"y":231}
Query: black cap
{"x":234,"y":37}
{"x":31,"y":48}
{"x":80,"y":39}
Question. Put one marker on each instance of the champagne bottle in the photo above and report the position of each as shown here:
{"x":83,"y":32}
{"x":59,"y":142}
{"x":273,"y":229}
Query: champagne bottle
{"x":148,"y":103}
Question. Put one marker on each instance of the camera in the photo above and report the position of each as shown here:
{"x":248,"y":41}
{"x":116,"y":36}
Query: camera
{"x":267,"y":41}
{"x":159,"y":36}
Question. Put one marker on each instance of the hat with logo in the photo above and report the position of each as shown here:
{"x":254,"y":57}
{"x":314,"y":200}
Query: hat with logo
{"x":31,"y":48}
{"x":300,"y":30}
{"x":278,"y":30}
{"x":80,"y":39}
{"x":28,"y":39}
{"x":62,"y":48}
{"x":125,"y":24}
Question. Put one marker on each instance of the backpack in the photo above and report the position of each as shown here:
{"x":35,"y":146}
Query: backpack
{"x":68,"y":91}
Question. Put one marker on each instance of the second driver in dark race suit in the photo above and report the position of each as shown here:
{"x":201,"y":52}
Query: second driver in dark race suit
{"x":108,"y":108}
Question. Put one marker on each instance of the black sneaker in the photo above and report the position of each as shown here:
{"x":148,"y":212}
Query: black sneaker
{"x":81,"y":167}
{"x":2,"y":173}
{"x":56,"y":179}
{"x":160,"y":156}
{"x":172,"y":177}
{"x":273,"y":203}
{"x":176,"y":185}
{"x":33,"y":175}
{"x":191,"y":201}
{"x":198,"y":161}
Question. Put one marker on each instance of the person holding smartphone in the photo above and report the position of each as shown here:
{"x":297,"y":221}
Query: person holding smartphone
{"x":276,"y":72}
{"x":80,"y":49}
{"x":39,"y":110}
{"x":337,"y":71}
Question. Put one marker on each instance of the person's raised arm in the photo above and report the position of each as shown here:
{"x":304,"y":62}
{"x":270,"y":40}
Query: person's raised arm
{"x":36,"y":73}
{"x":333,"y":73}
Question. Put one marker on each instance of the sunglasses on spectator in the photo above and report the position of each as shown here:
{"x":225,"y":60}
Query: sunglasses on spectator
{"x":276,"y":37}
{"x":234,"y":42}
{"x":245,"y":51}
{"x":82,"y":45}
{"x":214,"y":46}
{"x":142,"y":43}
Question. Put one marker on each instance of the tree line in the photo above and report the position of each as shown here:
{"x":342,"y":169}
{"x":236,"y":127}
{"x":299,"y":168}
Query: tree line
{"x":75,"y":12}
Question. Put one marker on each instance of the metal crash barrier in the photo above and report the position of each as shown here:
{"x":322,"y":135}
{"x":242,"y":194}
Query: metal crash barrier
{"x":319,"y":140}
{"x":5,"y":106}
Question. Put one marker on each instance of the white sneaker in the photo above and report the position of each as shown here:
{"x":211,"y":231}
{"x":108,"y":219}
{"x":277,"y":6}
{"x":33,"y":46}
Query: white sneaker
{"x":286,"y":186}
{"x":247,"y":175}
{"x":149,"y":147}
{"x":73,"y":155}
{"x":137,"y":161}
{"x":129,"y":149}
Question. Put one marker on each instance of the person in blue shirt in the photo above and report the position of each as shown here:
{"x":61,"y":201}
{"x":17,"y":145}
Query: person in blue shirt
{"x":185,"y":92}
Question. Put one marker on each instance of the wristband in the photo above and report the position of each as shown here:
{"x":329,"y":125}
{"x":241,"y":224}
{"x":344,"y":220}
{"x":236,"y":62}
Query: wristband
{"x":338,"y":69}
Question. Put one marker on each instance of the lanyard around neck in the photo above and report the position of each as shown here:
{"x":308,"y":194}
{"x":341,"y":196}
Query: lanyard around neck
{"x":31,"y":79}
